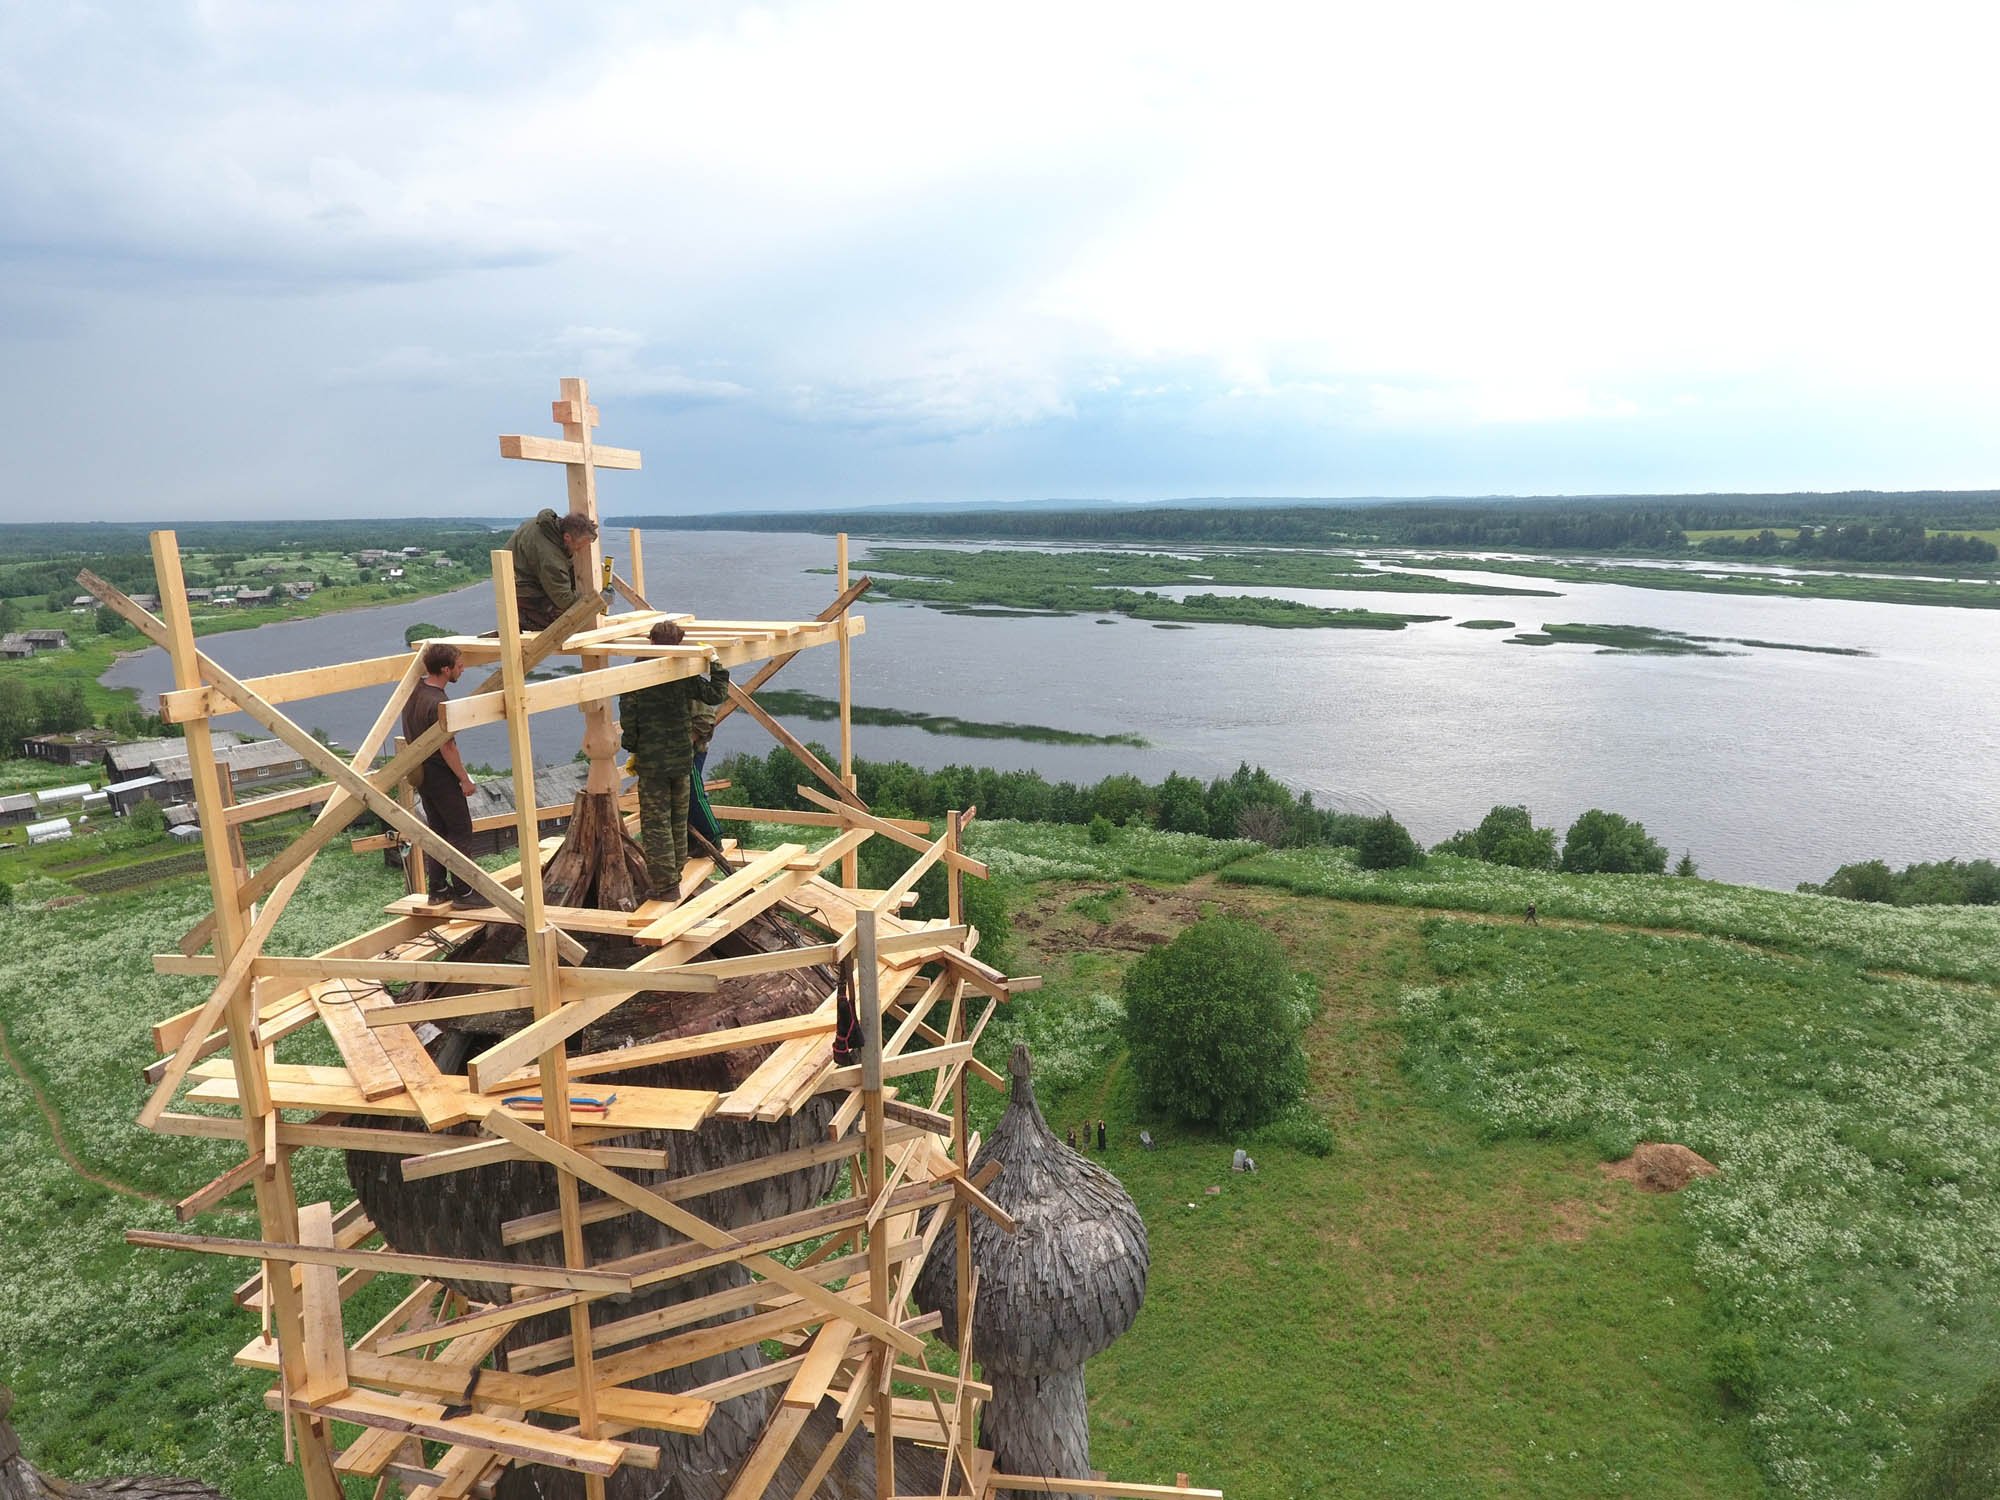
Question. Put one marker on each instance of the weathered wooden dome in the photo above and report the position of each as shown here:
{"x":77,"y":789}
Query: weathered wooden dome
{"x":1061,"y":1288}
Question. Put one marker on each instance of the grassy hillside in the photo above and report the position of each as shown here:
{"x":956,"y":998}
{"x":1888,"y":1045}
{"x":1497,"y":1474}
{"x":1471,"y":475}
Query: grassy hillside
{"x":1454,"y":1300}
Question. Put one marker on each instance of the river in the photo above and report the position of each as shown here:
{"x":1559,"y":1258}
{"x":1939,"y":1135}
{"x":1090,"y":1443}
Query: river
{"x":1770,"y":767}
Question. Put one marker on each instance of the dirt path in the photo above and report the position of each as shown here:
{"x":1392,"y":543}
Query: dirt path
{"x":54,"y":1122}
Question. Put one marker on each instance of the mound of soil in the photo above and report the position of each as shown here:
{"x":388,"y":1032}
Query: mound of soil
{"x":1656,"y":1168}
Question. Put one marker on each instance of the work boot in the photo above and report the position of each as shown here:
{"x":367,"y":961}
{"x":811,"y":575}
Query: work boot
{"x":467,"y":899}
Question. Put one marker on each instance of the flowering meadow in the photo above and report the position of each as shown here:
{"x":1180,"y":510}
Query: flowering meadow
{"x":1064,"y":851}
{"x":1851,"y":1233}
{"x":1940,"y":942}
{"x":119,"y":1358}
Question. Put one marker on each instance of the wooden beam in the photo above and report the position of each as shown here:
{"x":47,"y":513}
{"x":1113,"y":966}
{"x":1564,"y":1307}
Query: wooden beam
{"x":438,"y":1267}
{"x":841,"y":604}
{"x":180,"y":705}
{"x":792,"y":743}
{"x":556,"y":451}
{"x":861,"y":818}
{"x":609,"y":682}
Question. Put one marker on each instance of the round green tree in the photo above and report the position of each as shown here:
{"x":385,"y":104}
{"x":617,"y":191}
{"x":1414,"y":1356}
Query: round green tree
{"x":1213,"y":1021}
{"x":1604,"y":843}
{"x":1387,"y":845}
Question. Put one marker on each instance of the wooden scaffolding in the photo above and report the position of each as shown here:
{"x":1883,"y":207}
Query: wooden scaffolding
{"x":425,"y":1373}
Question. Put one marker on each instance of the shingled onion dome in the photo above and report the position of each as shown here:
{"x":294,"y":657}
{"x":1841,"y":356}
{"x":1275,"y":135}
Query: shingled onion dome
{"x":1051,"y":1295}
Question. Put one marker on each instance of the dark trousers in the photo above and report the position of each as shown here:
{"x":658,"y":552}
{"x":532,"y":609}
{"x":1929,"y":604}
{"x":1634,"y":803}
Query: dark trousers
{"x":446,"y":811}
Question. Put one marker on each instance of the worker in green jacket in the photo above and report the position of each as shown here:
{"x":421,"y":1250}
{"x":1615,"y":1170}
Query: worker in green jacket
{"x":550,"y":553}
{"x":658,"y":730}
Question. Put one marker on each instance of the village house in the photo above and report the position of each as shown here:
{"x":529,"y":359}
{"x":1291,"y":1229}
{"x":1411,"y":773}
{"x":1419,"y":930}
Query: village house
{"x":133,"y":758}
{"x":413,"y":552}
{"x":200,"y":596}
{"x":83,"y":601}
{"x":148,"y":602}
{"x":123,"y":796}
{"x":81,"y":748}
{"x":48,"y":640}
{"x":303,"y":589}
{"x":442,"y":562}
{"x":261,"y":763}
{"x":15,"y":646}
{"x":254,"y":596}
{"x":369,"y":556}
{"x":19,"y":808}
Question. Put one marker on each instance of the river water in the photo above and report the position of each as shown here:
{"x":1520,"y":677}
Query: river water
{"x":1771,"y":767}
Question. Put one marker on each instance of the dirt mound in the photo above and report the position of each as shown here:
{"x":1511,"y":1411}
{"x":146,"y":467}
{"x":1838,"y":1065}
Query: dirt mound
{"x":1654,"y":1168}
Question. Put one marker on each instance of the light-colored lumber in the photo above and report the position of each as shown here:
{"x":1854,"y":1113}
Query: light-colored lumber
{"x":806,"y":818}
{"x":502,"y":1317}
{"x":238,"y":1177}
{"x":180,"y":705}
{"x":279,"y":802}
{"x":842,"y":602}
{"x":325,"y":1338}
{"x":794,"y":744}
{"x":776,"y":1440}
{"x":829,"y":1348}
{"x":860,"y":818}
{"x":343,"y":1009}
{"x":713,"y":899}
{"x":609,"y":682}
{"x":496,"y":1434}
{"x":438,"y":1267}
{"x":636,"y":1108}
{"x":556,"y":451}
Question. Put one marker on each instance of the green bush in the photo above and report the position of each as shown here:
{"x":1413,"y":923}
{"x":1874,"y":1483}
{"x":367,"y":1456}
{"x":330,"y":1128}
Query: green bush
{"x":1213,"y":1022}
{"x":1387,"y":845}
{"x":1961,"y":1460}
{"x":1604,"y":843}
{"x":1505,"y":836}
{"x":147,"y":817}
{"x":1102,"y":829}
{"x":1735,"y":1368}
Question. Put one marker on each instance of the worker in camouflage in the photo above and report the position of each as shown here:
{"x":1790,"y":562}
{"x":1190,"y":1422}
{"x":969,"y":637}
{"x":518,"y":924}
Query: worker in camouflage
{"x":549,"y":551}
{"x":658,"y":730}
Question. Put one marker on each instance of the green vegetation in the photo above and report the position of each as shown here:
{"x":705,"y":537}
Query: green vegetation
{"x":1506,"y":836}
{"x":1096,"y":582}
{"x":1386,"y":845}
{"x":1607,"y":843}
{"x":1485,"y":624}
{"x":1958,"y":594}
{"x":1212,"y":1024}
{"x":1227,"y":807}
{"x":1945,"y":882}
{"x":1427,"y":1288}
{"x":1946,"y":942}
{"x":797,"y":705}
{"x":1650,"y":640}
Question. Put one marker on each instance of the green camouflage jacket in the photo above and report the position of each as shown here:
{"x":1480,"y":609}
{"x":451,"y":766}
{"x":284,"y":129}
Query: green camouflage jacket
{"x":542,"y":562}
{"x":657,"y":721}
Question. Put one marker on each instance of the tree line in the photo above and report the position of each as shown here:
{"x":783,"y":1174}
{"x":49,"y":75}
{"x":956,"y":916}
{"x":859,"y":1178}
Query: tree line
{"x":1892,"y":541}
{"x":1593,"y":523}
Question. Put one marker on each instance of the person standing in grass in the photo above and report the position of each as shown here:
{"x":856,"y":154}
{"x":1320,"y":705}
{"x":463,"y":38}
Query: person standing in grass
{"x":658,"y":725}
{"x":442,"y":785}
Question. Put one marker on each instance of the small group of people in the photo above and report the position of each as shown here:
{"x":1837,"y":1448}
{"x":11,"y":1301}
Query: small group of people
{"x":667,"y":727}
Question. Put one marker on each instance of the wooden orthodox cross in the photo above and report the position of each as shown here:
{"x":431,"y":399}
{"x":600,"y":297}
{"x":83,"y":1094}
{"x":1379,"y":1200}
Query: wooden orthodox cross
{"x":581,"y":459}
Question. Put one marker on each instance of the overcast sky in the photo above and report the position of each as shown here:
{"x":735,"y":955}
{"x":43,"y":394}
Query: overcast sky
{"x":310,"y":260}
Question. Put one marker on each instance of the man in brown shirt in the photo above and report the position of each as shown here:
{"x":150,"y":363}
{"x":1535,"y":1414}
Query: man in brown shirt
{"x":442,"y":785}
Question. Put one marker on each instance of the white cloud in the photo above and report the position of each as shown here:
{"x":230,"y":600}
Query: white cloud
{"x":944,"y":223}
